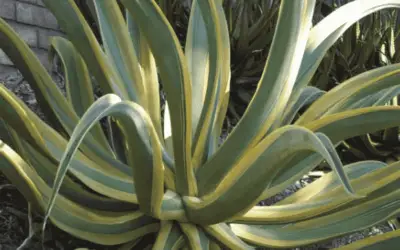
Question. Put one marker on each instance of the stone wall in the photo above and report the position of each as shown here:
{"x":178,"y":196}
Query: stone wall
{"x":34,"y":23}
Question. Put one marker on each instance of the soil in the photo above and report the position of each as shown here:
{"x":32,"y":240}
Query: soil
{"x":14,"y":225}
{"x":14,"y":219}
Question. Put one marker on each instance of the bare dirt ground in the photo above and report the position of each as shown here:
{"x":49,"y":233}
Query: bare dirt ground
{"x":14,"y":225}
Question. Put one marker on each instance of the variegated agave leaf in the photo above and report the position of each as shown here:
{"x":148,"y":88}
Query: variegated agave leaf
{"x":370,"y":43}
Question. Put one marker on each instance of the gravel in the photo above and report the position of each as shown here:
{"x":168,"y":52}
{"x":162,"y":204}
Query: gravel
{"x":334,"y":243}
{"x":21,"y":88}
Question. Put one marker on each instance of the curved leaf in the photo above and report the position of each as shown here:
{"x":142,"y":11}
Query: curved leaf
{"x":351,"y":91}
{"x":101,"y":227}
{"x":71,"y":189}
{"x":308,"y":95}
{"x":326,"y":32}
{"x":61,"y":114}
{"x":50,"y":99}
{"x":77,"y":83}
{"x":142,"y":138}
{"x":379,"y":99}
{"x":356,"y":122}
{"x":169,"y":236}
{"x":79,"y":33}
{"x":210,"y":16}
{"x":197,"y":57}
{"x":106,"y":179}
{"x":322,"y":195}
{"x":273,"y":92}
{"x":175,"y":78}
{"x":149,"y":70}
{"x":119,"y":49}
{"x":223,"y":233}
{"x":197,"y":239}
{"x":221,"y":105}
{"x":368,"y":212}
{"x":220,"y":202}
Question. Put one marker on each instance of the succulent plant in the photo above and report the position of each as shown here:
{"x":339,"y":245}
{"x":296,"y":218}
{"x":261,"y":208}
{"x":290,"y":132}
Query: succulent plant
{"x":173,"y":179}
{"x":370,"y":43}
{"x":251,"y":25}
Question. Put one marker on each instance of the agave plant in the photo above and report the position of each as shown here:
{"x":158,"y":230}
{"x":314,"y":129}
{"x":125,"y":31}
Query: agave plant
{"x":370,"y":43}
{"x":176,"y":11}
{"x":172,"y":179}
{"x":251,"y":25}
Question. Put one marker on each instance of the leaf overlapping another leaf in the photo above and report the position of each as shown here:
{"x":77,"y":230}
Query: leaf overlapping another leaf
{"x":182,"y":186}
